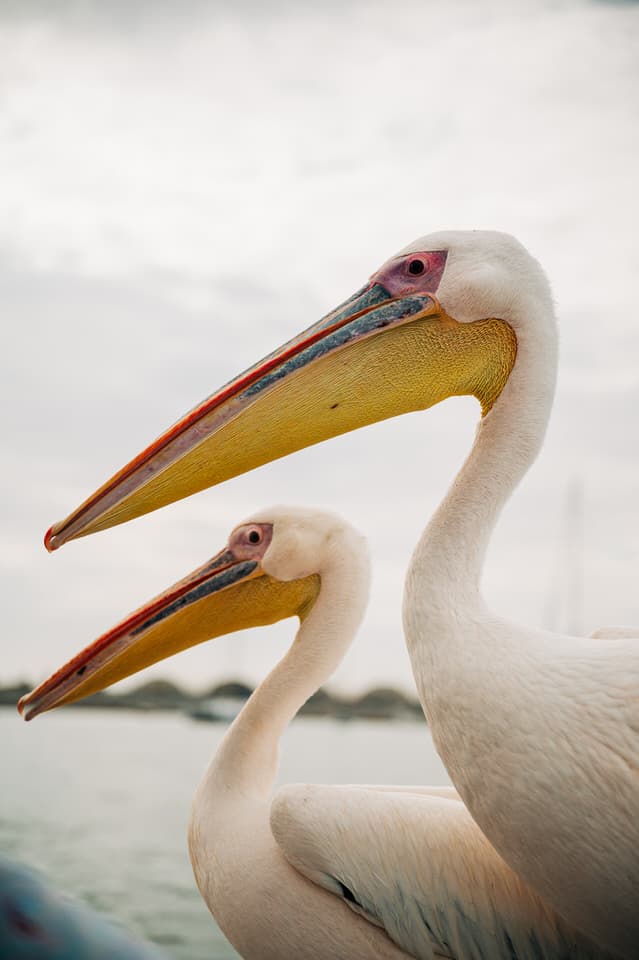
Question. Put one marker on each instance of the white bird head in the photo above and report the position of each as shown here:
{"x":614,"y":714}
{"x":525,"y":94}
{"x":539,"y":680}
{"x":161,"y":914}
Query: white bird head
{"x":485,"y":273}
{"x":304,"y":542}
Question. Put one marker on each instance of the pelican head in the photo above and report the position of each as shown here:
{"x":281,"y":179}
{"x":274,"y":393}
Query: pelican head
{"x":270,"y":569}
{"x":439,"y":319}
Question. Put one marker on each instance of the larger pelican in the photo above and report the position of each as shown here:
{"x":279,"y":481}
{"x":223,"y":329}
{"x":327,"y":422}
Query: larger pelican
{"x":540,"y":733}
{"x":407,"y":859}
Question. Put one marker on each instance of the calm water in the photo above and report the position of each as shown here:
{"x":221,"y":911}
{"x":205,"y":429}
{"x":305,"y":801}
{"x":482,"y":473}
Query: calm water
{"x":100,"y":800}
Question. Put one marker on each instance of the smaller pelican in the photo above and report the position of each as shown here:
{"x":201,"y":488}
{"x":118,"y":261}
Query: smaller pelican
{"x":377,"y":872}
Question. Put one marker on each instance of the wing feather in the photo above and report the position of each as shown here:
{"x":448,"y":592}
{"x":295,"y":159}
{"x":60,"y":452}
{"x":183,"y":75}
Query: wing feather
{"x":417,"y":865}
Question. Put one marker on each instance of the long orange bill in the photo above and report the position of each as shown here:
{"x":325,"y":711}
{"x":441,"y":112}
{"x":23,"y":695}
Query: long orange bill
{"x":220,"y":597}
{"x":374,"y":357}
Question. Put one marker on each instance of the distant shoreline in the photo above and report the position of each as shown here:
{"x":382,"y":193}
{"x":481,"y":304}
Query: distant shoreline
{"x":379,"y":703}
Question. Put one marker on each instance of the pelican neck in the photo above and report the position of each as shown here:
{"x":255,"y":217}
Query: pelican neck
{"x":443,"y":581}
{"x":248,"y":755}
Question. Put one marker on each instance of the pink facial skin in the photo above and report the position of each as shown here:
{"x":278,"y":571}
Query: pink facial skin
{"x":412,"y":273}
{"x":250,"y":541}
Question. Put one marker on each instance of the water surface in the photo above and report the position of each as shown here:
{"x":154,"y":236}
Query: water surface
{"x":99,"y":800}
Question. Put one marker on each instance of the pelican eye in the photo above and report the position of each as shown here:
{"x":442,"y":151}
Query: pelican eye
{"x":416,"y":267}
{"x":254,"y":536}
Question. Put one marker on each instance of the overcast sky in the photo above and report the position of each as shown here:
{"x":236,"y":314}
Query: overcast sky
{"x":185,"y":185}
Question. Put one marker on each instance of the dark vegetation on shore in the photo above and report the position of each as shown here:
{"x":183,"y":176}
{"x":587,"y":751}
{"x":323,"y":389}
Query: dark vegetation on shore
{"x":380,"y":703}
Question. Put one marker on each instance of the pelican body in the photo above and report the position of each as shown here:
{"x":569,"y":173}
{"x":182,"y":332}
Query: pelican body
{"x":320,"y":872}
{"x":539,"y":732}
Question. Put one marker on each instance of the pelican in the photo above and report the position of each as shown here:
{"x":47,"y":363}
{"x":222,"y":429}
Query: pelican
{"x":458,"y":897}
{"x":539,"y":732}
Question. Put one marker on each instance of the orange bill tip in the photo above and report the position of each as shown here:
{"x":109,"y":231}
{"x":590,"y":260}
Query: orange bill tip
{"x":48,"y":541}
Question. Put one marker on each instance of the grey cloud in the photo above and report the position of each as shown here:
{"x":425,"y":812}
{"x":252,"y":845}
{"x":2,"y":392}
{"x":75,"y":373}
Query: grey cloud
{"x":176,"y":205}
